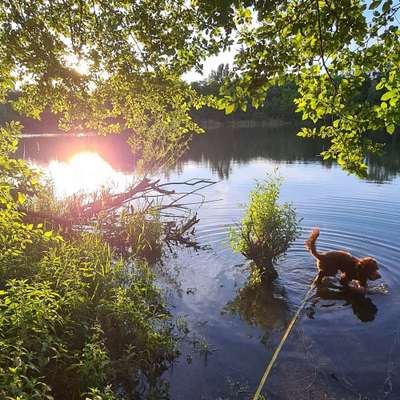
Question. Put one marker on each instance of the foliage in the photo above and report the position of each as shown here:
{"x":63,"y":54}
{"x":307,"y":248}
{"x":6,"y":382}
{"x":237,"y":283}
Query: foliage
{"x":212,"y":84}
{"x":140,"y":233}
{"x":76,"y":319}
{"x":329,"y":49}
{"x":278,"y":102}
{"x":108,"y":67}
{"x":267,"y":228}
{"x":134,"y":230}
{"x":116,"y":66}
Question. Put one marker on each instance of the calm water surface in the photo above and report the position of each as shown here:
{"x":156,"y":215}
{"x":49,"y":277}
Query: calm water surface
{"x":342,"y":348}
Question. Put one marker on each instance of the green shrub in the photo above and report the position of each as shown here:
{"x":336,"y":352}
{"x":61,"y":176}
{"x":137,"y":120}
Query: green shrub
{"x":267,"y":229}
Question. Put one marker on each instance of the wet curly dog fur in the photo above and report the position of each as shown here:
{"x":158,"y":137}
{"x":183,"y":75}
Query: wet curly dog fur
{"x":351,"y":268}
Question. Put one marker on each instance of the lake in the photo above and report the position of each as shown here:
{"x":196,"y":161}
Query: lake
{"x":341,"y":348}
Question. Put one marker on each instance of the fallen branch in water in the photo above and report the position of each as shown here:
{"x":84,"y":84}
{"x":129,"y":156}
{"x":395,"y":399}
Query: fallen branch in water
{"x":142,"y":189}
{"x":113,"y":214}
{"x":181,"y":233}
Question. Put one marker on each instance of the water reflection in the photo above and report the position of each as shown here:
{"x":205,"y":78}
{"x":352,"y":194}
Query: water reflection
{"x":261,"y":304}
{"x":386,"y":167}
{"x":363,"y":307}
{"x":43,"y":150}
{"x":220,"y":149}
{"x":84,"y":172}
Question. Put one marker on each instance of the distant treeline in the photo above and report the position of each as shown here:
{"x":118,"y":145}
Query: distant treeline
{"x":278,"y":105}
{"x":279,"y":102}
{"x":48,"y":122}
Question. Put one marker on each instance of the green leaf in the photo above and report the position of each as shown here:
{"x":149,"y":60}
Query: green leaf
{"x":21,"y":198}
{"x":230,"y":108}
{"x":48,"y":234}
{"x":375,"y":4}
{"x":386,"y":6}
{"x":388,"y":95}
{"x":390,"y":128}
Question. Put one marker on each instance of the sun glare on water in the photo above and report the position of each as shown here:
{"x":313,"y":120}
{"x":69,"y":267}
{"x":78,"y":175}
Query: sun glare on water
{"x":84,"y":172}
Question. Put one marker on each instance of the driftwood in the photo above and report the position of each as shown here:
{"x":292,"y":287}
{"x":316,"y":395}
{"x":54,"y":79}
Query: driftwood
{"x":175,"y":209}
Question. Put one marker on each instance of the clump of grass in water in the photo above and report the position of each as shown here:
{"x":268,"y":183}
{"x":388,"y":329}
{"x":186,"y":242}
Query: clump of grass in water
{"x":267,"y":229}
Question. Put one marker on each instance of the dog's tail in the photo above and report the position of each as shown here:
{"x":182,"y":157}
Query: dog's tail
{"x":310,"y":243}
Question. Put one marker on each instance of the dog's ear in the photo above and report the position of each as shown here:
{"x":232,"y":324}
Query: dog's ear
{"x":367,"y":263}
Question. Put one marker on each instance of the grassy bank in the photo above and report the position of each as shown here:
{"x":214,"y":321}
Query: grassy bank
{"x":79,"y":318}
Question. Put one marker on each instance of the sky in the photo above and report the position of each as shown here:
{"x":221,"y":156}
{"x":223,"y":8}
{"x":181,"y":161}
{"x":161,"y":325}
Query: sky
{"x":209,"y":65}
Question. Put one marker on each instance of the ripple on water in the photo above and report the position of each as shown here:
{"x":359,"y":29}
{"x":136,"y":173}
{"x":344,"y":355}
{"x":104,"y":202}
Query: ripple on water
{"x":354,"y":216}
{"x":373,"y":240}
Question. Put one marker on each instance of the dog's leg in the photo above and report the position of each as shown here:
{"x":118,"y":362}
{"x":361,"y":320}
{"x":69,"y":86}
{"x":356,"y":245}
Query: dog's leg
{"x":321,"y":275}
{"x":344,"y":280}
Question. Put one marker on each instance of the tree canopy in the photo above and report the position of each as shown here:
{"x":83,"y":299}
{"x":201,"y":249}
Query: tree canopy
{"x":109,"y":66}
{"x":329,"y":48}
{"x":116,"y":65}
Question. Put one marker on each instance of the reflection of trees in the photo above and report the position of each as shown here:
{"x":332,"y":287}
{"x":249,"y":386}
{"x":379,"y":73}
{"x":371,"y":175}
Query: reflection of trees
{"x":386,"y":167}
{"x":261,"y":304}
{"x":220,"y":149}
{"x":224,"y":147}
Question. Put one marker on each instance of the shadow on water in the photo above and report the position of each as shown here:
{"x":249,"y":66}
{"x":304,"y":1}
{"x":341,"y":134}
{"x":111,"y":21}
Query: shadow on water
{"x":363,"y":307}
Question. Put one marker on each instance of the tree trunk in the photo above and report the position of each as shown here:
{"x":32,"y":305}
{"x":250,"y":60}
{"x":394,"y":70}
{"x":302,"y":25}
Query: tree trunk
{"x":267,"y":270}
{"x":269,"y":273}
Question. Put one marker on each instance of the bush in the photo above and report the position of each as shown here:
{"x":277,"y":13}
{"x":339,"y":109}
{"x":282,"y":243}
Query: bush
{"x":267,"y":229}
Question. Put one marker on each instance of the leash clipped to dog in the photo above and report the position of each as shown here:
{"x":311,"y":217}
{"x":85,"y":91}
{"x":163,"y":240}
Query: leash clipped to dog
{"x":283,"y":340}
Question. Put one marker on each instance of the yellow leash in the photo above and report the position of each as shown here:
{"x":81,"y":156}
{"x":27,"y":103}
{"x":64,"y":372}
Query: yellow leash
{"x":282,"y":342}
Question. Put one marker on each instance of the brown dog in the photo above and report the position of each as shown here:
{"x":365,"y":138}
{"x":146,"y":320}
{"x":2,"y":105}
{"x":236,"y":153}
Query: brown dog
{"x":351,"y":268}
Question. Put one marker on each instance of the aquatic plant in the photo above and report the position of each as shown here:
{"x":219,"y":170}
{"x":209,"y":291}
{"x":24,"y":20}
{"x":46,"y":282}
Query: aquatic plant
{"x":267,"y":228}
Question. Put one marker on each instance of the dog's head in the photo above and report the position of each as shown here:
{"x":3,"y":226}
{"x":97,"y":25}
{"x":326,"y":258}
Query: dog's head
{"x":368,"y":269}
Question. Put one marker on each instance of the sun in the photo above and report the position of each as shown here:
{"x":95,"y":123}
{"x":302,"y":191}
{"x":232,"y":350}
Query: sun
{"x":80,"y":65}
